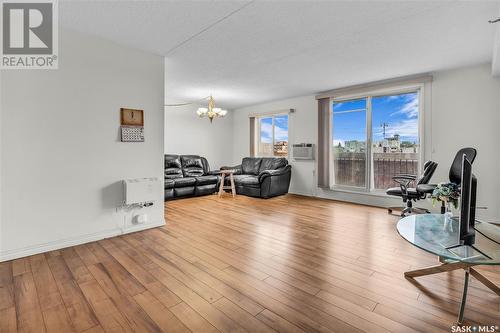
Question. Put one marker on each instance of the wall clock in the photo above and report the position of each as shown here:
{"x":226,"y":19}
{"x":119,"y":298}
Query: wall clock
{"x":131,"y":117}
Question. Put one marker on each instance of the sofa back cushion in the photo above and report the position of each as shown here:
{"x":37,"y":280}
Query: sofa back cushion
{"x":272,"y":163}
{"x":250,"y":165}
{"x":173,"y":167}
{"x":192,"y":166}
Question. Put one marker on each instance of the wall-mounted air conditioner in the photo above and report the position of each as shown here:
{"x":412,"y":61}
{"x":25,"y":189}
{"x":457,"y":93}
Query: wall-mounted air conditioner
{"x":303,"y":151}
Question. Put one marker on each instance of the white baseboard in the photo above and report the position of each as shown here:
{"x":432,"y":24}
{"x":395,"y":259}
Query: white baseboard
{"x":307,"y":194}
{"x":62,"y":243}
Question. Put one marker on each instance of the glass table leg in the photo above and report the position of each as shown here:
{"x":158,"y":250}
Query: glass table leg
{"x":464,"y":297}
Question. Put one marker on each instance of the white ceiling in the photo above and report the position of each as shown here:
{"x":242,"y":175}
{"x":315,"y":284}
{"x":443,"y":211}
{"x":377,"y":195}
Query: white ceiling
{"x":248,"y":52}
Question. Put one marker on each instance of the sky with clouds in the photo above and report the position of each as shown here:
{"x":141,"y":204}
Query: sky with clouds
{"x":280,"y":129}
{"x":400,"y":112}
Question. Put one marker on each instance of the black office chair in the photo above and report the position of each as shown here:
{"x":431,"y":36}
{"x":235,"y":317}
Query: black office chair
{"x":410,"y":194}
{"x":455,"y":174}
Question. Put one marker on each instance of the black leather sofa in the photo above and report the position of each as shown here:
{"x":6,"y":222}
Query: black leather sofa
{"x":262,"y":177}
{"x":188,"y":175}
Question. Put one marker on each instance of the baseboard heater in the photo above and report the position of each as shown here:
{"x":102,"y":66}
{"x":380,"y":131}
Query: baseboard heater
{"x":141,"y":190}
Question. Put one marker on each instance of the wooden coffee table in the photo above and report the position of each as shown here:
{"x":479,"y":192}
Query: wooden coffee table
{"x":223,"y":175}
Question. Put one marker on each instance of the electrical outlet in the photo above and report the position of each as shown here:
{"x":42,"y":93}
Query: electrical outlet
{"x":140,"y":219}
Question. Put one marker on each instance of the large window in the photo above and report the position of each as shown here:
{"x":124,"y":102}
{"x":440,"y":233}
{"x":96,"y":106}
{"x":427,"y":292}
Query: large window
{"x":349,"y":142}
{"x":374,"y":137}
{"x":272,"y":135}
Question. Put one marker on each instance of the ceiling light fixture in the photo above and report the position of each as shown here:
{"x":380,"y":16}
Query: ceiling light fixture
{"x":210,"y":111}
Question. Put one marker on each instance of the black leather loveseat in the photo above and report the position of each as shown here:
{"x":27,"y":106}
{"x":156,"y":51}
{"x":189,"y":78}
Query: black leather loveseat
{"x":188,"y":175}
{"x":262,"y":177}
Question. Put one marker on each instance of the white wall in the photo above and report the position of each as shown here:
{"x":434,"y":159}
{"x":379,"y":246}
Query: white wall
{"x":186,"y":133}
{"x":464,"y":111}
{"x":61,"y":159}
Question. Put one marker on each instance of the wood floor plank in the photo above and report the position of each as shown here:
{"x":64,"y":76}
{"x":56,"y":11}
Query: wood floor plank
{"x":48,"y":293}
{"x":79,"y":311}
{"x":108,"y":278}
{"x":6,"y":285}
{"x":195,"y":322}
{"x":243,"y":318}
{"x":56,"y":319}
{"x":200,"y":305}
{"x":8,"y":320}
{"x":277,"y":323}
{"x":21,"y":266}
{"x":110,"y":318}
{"x":29,"y":314}
{"x":159,"y":313}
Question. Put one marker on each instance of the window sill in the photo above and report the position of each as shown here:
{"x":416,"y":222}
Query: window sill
{"x":379,"y":193}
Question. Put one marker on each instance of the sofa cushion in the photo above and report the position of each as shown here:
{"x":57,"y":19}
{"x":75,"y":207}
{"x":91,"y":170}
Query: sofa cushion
{"x":184,"y":191}
{"x":250,"y":165}
{"x":172,"y":161}
{"x":173,"y":167}
{"x":246,"y":180}
{"x":192,"y":166}
{"x":171,"y":173}
{"x":206,"y":180}
{"x":272,"y":163}
{"x":169,"y":183}
{"x":205,"y":189}
{"x":185,"y":181}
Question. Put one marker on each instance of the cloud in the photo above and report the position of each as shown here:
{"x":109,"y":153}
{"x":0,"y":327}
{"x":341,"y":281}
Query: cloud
{"x":410,"y":108}
{"x":280,"y":133}
{"x":336,"y":142}
{"x":266,"y":133}
{"x":406,"y":129}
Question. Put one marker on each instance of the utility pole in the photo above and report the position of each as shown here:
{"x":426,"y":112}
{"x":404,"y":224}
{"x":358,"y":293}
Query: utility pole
{"x":384,"y":125}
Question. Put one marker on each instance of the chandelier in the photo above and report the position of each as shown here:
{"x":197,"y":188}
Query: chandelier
{"x":211,"y":111}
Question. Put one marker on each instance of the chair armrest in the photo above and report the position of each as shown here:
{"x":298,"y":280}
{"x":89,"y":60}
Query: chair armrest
{"x":237,"y":169}
{"x":404,"y":180}
{"x":275,"y":172}
{"x":404,"y":177}
{"x":407,"y":175}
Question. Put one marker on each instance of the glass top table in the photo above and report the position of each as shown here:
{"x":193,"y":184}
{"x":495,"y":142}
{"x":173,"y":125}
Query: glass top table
{"x":438,"y":234}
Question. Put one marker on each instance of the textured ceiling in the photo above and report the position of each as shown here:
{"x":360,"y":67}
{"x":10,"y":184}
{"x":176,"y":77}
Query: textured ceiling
{"x":246,"y":52}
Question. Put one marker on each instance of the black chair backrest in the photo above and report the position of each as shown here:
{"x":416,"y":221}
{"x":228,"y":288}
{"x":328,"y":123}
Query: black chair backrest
{"x":429,"y":168}
{"x":456,"y":166}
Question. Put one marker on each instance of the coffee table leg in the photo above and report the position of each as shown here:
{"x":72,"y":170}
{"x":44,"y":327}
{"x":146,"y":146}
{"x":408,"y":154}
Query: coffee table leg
{"x":464,"y":297}
{"x":233,"y":188}
{"x":221,"y":186}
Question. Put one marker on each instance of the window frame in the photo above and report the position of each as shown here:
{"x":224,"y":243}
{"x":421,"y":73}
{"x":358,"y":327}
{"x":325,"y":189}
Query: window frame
{"x":369,"y":95}
{"x":272,"y":115}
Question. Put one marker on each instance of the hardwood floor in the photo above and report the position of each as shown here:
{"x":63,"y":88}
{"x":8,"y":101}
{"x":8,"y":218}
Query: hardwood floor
{"x":288,"y":264}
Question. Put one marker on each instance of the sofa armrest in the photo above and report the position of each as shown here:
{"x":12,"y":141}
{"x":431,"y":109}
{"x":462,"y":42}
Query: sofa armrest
{"x":237,"y":169}
{"x":277,"y":172}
